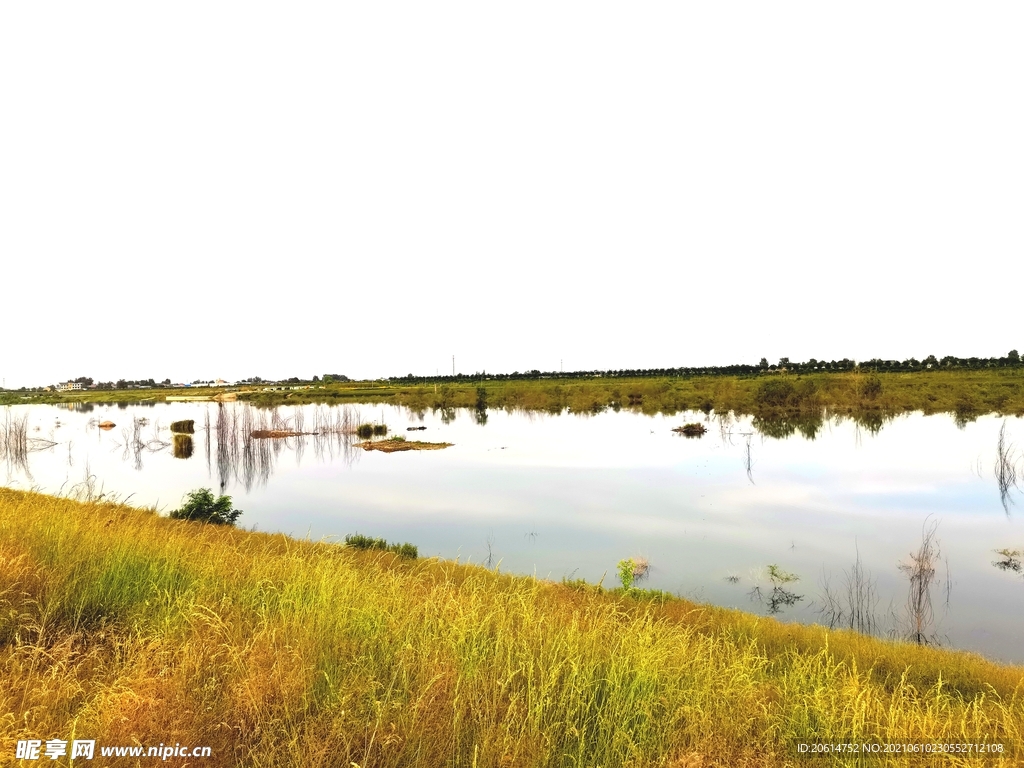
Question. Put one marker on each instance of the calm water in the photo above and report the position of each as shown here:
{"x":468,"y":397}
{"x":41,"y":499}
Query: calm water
{"x":569,"y":496}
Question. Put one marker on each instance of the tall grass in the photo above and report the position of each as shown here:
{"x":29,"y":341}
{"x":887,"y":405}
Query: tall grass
{"x":123,"y":626}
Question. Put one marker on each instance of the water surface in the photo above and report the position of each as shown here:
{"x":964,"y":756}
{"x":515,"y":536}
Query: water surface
{"x":569,"y":496}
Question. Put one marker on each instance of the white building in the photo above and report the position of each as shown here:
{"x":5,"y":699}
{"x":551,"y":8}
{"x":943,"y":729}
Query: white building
{"x":69,"y":386}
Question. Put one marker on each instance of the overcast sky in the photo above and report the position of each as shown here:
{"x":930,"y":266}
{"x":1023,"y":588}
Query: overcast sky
{"x":199,"y":190}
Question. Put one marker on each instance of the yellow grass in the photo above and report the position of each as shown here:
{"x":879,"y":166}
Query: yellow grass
{"x":125,"y":627}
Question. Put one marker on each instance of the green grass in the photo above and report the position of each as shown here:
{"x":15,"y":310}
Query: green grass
{"x":127,"y":627}
{"x":358,"y":541}
{"x":783,"y":402}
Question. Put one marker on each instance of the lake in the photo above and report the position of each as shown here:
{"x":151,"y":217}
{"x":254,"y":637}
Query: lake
{"x":569,"y":496}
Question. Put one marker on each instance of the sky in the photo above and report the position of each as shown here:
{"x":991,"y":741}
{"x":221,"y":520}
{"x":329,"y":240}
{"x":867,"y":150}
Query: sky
{"x":199,"y":190}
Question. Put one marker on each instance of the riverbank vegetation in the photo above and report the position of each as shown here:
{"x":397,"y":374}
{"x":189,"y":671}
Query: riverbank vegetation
{"x":771,"y":394}
{"x":123,"y":626}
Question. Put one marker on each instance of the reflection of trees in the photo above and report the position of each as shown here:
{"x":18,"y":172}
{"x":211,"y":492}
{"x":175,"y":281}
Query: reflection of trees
{"x":250,"y":461}
{"x":782,"y":426}
{"x":125,"y":404}
{"x":77,"y":407}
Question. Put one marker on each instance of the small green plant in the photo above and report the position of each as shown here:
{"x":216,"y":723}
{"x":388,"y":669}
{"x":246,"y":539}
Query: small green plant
{"x":371,"y":430}
{"x":358,"y":541}
{"x":397,"y":438}
{"x":627,"y":569}
{"x":201,"y":506}
{"x":184,"y":427}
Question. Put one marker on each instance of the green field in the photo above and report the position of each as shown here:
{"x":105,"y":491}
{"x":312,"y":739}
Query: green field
{"x":781,"y":402}
{"x":123,"y":626}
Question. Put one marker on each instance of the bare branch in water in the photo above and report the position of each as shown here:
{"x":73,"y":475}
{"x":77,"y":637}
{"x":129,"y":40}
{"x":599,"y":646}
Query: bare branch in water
{"x":921,"y":571}
{"x":1005,"y":469}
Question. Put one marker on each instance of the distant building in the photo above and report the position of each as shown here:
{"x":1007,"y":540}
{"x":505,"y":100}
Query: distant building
{"x":69,"y":386}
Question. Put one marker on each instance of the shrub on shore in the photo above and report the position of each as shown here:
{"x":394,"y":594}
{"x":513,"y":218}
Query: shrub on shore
{"x":200,"y":505}
{"x":358,"y":541}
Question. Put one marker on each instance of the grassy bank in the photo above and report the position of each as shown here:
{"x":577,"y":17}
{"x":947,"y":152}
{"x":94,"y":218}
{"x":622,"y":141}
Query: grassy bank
{"x":771,"y":395}
{"x":126,"y":627}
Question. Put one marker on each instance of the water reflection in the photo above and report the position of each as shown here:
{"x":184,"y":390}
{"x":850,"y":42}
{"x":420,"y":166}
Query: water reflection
{"x":778,"y":595}
{"x":246,"y":457}
{"x":1006,"y":468}
{"x":183,"y":446}
{"x":1010,"y":560}
{"x":853,"y":602}
{"x":558,"y":495}
{"x":16,"y":445}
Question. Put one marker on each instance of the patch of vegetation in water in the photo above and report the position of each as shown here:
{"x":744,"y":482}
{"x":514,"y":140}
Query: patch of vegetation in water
{"x":398,"y":443}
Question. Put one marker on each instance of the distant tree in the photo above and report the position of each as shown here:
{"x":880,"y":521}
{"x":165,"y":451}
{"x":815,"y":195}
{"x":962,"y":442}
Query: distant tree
{"x":166,"y":382}
{"x":783,"y":362}
{"x":1014,"y":357}
{"x":316,"y":379}
{"x":85,"y":381}
{"x":763,"y":363}
{"x":122,"y":384}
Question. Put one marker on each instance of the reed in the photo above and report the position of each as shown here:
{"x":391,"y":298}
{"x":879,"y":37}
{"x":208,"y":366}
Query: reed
{"x":128,"y":627}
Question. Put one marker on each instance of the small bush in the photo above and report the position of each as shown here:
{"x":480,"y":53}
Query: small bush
{"x":380,"y":429}
{"x":201,"y":506}
{"x":184,"y":427}
{"x":775,"y":393}
{"x":364,"y":430}
{"x":626,"y":570}
{"x":871,"y":388}
{"x":358,"y":541}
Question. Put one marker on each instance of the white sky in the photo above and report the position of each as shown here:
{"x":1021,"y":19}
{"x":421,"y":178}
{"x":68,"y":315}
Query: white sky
{"x":195,"y":189}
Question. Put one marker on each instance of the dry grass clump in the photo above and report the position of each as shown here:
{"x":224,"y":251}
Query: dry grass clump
{"x":127,"y":627}
{"x":401,"y":444}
